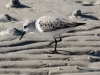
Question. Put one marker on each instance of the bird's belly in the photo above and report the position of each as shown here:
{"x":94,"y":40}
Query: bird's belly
{"x":56,"y":32}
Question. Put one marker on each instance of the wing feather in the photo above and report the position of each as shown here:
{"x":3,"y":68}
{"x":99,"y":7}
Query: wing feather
{"x":48,"y":23}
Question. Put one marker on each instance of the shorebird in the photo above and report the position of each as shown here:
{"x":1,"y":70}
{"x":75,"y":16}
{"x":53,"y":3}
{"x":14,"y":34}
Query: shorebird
{"x":49,"y":26}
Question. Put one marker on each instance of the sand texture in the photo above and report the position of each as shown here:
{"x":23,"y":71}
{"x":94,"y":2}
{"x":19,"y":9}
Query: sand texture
{"x":79,"y":50}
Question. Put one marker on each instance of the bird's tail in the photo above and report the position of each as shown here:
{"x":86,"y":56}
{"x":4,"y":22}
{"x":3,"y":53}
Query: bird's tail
{"x":75,"y":24}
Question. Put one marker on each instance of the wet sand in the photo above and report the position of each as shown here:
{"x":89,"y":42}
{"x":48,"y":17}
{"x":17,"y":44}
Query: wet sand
{"x":79,"y":51}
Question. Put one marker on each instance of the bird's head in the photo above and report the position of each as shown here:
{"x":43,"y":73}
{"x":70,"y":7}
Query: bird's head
{"x":28,"y":26}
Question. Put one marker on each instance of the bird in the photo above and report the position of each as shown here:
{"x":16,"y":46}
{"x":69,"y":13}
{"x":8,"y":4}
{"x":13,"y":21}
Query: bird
{"x":50,"y":26}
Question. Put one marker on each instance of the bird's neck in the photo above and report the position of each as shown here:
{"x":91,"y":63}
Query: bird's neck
{"x":34,"y":29}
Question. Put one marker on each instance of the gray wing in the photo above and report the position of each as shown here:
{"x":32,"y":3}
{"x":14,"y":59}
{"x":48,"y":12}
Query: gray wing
{"x":52,"y":24}
{"x":48,"y":23}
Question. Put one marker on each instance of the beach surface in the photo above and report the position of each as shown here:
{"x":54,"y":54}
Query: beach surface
{"x":79,"y":50}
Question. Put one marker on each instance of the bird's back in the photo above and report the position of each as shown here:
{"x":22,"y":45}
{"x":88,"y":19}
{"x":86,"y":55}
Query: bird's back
{"x":49,"y":23}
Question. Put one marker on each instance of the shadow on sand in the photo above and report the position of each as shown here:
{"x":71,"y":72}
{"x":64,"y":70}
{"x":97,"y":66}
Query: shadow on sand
{"x":21,"y":6}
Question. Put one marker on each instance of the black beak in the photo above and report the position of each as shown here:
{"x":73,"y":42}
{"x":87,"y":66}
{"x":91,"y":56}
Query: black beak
{"x":22,"y":35}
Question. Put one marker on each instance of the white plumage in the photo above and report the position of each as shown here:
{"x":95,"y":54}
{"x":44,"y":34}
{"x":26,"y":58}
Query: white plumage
{"x":49,"y":26}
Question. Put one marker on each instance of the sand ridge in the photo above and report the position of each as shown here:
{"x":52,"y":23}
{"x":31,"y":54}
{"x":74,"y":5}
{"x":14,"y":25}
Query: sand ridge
{"x":79,"y":52}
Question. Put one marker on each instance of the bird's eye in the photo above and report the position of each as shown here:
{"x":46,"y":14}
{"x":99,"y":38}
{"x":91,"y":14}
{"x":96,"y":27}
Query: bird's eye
{"x":25,"y":27}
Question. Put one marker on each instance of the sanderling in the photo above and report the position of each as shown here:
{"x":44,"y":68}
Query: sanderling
{"x":49,"y":26}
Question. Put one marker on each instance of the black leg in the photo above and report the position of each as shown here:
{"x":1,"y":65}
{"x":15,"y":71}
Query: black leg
{"x":55,"y":41}
{"x":50,"y":43}
{"x":55,"y":50}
